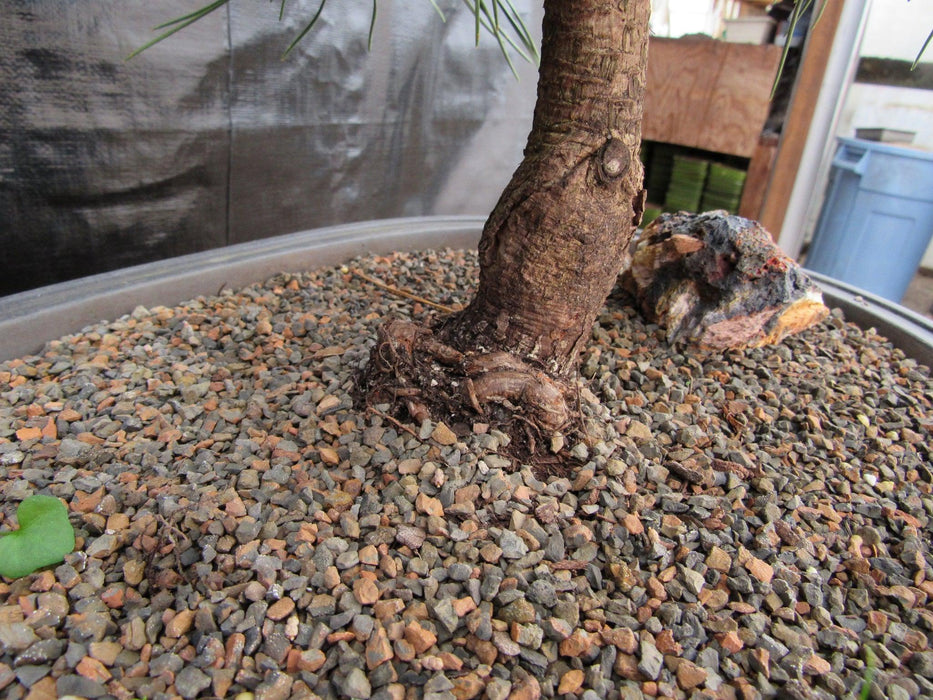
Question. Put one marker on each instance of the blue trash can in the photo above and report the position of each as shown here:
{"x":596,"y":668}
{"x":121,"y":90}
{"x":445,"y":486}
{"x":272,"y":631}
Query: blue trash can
{"x":877,"y":218}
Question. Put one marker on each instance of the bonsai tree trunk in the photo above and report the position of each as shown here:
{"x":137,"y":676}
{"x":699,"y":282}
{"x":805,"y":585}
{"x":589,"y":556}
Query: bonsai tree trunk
{"x":553,"y":246}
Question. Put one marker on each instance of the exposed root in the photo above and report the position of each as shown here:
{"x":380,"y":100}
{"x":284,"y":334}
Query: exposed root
{"x":540,"y":395}
{"x":411,"y":367}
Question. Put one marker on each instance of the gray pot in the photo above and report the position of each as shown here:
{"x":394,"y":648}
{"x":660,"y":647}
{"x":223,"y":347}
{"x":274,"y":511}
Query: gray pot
{"x":29,"y":319}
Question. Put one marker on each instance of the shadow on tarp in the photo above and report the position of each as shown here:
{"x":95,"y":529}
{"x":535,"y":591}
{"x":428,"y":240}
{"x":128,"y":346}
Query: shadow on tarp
{"x":210,"y":139}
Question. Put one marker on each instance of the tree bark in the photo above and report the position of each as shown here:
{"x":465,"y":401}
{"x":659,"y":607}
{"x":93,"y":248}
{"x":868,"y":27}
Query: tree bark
{"x":552,"y":248}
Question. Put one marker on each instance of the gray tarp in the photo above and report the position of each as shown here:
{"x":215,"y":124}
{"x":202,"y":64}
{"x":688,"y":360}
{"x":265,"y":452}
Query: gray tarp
{"x":210,"y":138}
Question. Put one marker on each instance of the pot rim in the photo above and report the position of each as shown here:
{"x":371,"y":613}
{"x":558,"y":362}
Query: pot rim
{"x":30,"y":319}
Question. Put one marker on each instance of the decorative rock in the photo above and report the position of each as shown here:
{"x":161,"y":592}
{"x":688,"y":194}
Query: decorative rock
{"x":520,"y":611}
{"x":445,"y":614}
{"x":103,"y":546}
{"x":93,"y":669}
{"x":638,"y":431}
{"x":577,"y":644}
{"x":922,"y":663}
{"x":719,"y":281}
{"x":694,"y":581}
{"x":180,"y":624}
{"x":42,"y":652}
{"x":526,"y":688}
{"x":622,"y":638}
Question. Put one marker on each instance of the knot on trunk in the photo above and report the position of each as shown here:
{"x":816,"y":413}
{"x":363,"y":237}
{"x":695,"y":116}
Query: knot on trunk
{"x":612,"y":160}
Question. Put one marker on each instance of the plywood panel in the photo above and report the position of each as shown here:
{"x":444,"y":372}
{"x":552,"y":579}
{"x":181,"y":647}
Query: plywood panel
{"x":708,"y":94}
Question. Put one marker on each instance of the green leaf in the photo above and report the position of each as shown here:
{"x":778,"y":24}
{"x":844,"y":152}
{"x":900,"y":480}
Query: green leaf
{"x":44,"y":537}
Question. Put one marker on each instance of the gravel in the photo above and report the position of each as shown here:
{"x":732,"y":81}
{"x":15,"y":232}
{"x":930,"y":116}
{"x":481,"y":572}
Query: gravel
{"x":745,"y":524}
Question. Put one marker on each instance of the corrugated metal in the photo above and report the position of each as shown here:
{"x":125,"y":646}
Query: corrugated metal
{"x":210,"y":138}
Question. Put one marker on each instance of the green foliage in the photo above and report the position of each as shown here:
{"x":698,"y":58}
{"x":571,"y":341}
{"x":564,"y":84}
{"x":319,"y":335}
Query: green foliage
{"x":44,"y":537}
{"x":871,"y":663}
{"x":498,"y":17}
{"x":801,"y":7}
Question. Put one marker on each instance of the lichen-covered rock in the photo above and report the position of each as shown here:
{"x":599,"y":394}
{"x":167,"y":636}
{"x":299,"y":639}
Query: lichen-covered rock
{"x":719,"y":281}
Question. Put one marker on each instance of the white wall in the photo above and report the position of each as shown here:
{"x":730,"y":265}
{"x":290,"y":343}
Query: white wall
{"x":890,"y":107}
{"x":675,"y":18}
{"x":897,"y":29}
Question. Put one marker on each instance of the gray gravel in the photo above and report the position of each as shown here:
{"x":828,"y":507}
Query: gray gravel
{"x":748,"y":524}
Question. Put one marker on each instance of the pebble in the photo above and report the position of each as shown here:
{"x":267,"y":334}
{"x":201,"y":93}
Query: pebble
{"x":190,"y":681}
{"x":356,"y":685}
{"x":742,"y":524}
{"x":650,"y":661}
{"x":70,"y":685}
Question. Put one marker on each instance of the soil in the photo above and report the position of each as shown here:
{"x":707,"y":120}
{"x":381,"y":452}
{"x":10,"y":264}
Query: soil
{"x":741,"y":524}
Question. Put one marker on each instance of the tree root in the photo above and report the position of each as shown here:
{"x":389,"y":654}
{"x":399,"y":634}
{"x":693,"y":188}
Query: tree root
{"x":433,"y":378}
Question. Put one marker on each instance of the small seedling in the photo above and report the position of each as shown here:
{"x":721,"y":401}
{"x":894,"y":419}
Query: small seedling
{"x":871,"y":663}
{"x":43,"y":538}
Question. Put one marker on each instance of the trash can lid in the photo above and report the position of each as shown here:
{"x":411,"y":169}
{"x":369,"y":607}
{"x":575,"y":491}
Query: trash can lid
{"x":894,"y":171}
{"x":901,"y":151}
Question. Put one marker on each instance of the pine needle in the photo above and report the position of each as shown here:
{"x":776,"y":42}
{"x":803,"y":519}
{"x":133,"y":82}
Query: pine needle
{"x":922,"y":49}
{"x":307,"y":29}
{"x":178,"y":24}
{"x":372,"y":26}
{"x":402,"y":293}
{"x":519,"y":38}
